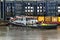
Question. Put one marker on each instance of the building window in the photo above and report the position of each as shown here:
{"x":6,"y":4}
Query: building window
{"x":40,"y":4}
{"x":40,"y":7}
{"x":40,"y":10}
{"x":37,"y":7}
{"x":31,"y":10}
{"x":37,"y":10}
{"x":28,"y":7}
{"x":28,"y":3}
{"x":31,"y":7}
{"x":28,"y":10}
{"x":58,"y":7}
{"x":25,"y":10}
{"x":25,"y":7}
{"x":58,"y":10}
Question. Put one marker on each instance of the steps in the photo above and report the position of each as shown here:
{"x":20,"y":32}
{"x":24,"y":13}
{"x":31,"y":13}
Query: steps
{"x":3,"y":23}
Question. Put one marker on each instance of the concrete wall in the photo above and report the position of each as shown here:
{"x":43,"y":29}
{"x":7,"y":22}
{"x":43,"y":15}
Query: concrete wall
{"x":33,"y":0}
{"x":23,"y":0}
{"x":0,"y":9}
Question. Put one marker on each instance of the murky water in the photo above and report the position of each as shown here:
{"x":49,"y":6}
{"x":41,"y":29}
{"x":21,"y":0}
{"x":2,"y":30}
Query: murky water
{"x":14,"y":33}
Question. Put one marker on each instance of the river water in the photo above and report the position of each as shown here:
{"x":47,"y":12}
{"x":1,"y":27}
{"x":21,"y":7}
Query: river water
{"x":23,"y":33}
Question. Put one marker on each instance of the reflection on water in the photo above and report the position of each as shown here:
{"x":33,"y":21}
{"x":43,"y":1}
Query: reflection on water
{"x":14,"y":33}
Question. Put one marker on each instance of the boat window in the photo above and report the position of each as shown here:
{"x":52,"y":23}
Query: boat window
{"x":19,"y":19}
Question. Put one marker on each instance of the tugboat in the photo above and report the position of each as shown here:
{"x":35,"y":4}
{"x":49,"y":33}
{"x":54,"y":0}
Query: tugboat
{"x":18,"y":21}
{"x":23,"y":21}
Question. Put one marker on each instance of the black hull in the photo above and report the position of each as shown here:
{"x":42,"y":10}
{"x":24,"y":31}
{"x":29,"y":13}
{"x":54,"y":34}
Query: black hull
{"x":41,"y":27}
